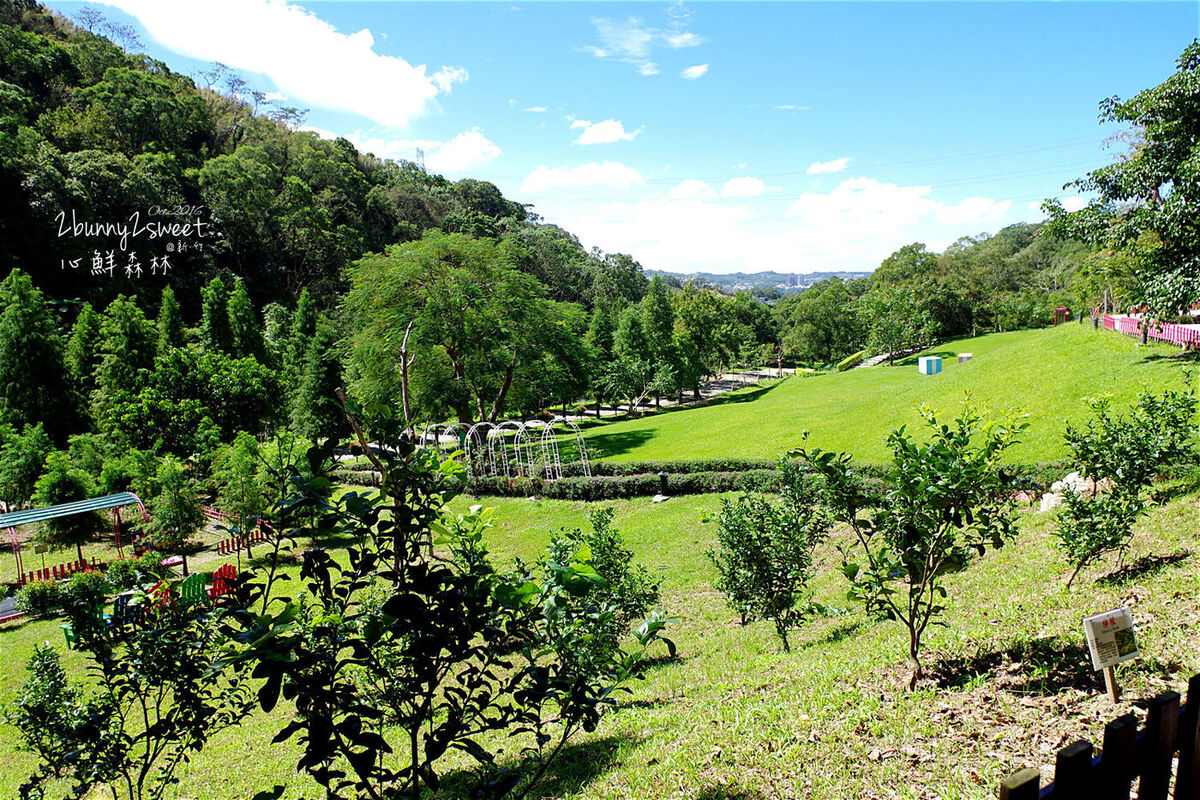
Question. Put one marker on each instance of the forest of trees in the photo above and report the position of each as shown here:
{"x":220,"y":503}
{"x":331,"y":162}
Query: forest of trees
{"x":323,"y":267}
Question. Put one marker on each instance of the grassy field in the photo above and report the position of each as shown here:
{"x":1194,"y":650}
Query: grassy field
{"x":736,"y":719}
{"x":1046,"y":373}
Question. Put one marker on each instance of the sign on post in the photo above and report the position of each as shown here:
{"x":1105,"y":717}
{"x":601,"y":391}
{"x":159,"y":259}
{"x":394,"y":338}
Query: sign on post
{"x":1111,"y":640}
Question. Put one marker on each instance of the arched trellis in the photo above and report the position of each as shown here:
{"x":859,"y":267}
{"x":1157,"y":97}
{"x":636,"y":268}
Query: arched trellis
{"x":579,"y":444}
{"x":550,"y":455}
{"x":479,"y":461}
{"x":525,"y":440}
{"x":498,"y":450}
{"x":535,"y":447}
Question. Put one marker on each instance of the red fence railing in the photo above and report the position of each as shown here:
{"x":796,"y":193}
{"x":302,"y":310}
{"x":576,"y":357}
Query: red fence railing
{"x":1182,"y":335}
{"x":58,"y":571}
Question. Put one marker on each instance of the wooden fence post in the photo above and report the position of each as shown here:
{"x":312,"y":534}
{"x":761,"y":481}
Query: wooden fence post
{"x":1158,"y":746}
{"x":1022,"y":785}
{"x":1073,"y":771}
{"x":1187,"y":781}
{"x":1118,"y":758}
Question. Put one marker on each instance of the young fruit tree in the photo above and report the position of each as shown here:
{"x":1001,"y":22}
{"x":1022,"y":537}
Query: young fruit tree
{"x":765,"y":550}
{"x":413,"y":646}
{"x":1120,"y":455}
{"x":943,"y":503}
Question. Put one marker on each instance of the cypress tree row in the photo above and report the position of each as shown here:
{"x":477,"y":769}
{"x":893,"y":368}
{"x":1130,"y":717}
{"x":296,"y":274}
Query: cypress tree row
{"x":35,"y":385}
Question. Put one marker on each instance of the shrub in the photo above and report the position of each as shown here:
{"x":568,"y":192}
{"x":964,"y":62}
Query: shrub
{"x":84,"y":592}
{"x":39,"y":598}
{"x":126,"y":573}
{"x":943,"y":503}
{"x":629,"y":588}
{"x":453,"y":658}
{"x":619,"y":487}
{"x":1126,"y":452}
{"x":765,"y":554}
{"x":161,"y":692}
{"x":354,"y":477}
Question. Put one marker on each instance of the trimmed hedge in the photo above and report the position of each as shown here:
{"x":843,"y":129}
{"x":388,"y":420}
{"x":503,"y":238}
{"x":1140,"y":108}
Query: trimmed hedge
{"x":684,"y":467}
{"x":613,"y":481}
{"x":851,"y":361}
{"x":615,"y":487}
{"x":355,"y":477}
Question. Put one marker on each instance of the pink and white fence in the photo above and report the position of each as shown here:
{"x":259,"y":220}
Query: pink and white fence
{"x":1182,"y":335}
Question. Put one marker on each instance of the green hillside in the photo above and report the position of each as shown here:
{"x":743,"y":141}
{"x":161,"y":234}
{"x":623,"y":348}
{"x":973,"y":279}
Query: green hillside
{"x":1047,"y":373}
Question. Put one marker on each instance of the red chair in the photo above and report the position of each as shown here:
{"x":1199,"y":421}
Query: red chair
{"x":223,"y":580}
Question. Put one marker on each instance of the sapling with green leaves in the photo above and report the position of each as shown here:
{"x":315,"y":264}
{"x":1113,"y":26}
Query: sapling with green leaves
{"x":944,"y":503}
{"x":1120,"y":455}
{"x":414,"y":645}
{"x":765,"y":552}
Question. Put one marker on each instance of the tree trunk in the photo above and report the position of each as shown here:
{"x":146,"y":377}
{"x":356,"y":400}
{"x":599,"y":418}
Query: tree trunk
{"x":915,"y":659}
{"x":498,"y":406}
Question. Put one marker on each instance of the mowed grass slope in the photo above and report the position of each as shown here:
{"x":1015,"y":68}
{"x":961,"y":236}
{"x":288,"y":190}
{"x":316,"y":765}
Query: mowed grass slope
{"x":734,"y":718}
{"x":1047,"y":373}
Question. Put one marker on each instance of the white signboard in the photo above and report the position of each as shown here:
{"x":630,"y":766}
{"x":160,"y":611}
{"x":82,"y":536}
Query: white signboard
{"x":1110,"y":637}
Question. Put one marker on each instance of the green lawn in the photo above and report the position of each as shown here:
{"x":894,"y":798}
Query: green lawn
{"x":1046,"y":373}
{"x":734,"y":718}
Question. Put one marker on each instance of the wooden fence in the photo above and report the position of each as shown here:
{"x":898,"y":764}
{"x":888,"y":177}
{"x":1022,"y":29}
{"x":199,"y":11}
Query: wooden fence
{"x":1168,"y":746}
{"x":59,"y":571}
{"x":231,"y":545}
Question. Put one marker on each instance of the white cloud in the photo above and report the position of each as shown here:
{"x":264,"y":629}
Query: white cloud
{"x":743,"y":187}
{"x":610,"y":130}
{"x":465,"y":152}
{"x":792,"y":107}
{"x":691,"y":73}
{"x":306,"y":58}
{"x":1073,"y":203}
{"x":536,"y":109}
{"x":610,"y":174}
{"x":826,"y":167}
{"x":691,"y":189}
{"x":972,"y":210}
{"x":446,"y":77}
{"x":631,"y":41}
{"x":854,"y":226}
{"x":862,"y":220}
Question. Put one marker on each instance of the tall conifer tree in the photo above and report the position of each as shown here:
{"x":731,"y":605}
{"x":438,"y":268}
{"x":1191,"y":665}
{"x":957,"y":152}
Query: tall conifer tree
{"x":35,"y":385}
{"x":83,"y":349}
{"x":215,"y":335}
{"x":170,"y":323}
{"x":244,"y":329}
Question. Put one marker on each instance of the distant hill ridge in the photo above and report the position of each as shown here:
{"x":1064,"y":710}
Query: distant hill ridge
{"x":784,"y":280}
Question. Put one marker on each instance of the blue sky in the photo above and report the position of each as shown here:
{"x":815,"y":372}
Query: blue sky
{"x":708,"y":136}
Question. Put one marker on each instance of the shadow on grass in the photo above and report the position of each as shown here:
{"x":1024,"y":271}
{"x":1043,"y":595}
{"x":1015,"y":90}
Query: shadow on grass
{"x":1042,"y":667}
{"x":1143,"y":568}
{"x":837,"y":634}
{"x":614,"y":444}
{"x":1180,"y":357}
{"x":729,"y":793}
{"x":911,"y":361}
{"x":746,"y":396}
{"x":577,"y":765}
